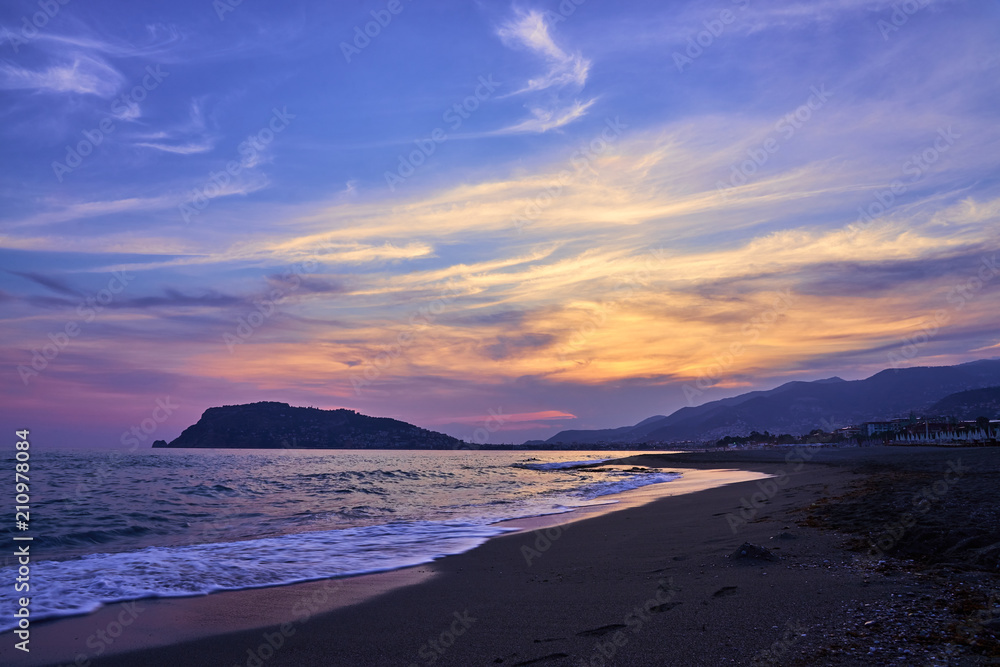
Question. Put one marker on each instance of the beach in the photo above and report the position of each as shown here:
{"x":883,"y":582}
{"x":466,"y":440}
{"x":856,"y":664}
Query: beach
{"x":660,"y":583}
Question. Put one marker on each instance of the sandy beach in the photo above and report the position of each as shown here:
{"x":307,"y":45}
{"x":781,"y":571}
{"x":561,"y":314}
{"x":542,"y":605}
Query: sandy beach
{"x":859,"y":569}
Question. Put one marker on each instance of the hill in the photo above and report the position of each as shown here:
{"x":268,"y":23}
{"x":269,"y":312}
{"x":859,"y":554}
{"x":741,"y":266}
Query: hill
{"x":968,"y":405}
{"x":799,"y":407}
{"x":270,"y":425}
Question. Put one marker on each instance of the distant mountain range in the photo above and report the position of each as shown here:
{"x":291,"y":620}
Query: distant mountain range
{"x":269,"y":425}
{"x":966,"y":391}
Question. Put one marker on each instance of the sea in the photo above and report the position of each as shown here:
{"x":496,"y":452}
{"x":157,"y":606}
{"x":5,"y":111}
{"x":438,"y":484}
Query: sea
{"x":109,"y":527}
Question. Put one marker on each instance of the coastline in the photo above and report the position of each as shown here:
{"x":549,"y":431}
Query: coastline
{"x":163,"y":621}
{"x":648,"y":584}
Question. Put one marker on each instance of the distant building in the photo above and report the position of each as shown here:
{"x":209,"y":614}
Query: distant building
{"x":876,"y":428}
{"x":949,"y":431}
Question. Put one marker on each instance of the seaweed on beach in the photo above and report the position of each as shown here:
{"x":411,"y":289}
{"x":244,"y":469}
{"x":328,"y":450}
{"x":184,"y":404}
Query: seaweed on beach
{"x":921,"y":515}
{"x":938,"y":539}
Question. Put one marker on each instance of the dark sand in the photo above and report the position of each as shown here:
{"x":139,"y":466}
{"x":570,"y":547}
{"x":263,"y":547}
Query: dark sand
{"x":653,"y":584}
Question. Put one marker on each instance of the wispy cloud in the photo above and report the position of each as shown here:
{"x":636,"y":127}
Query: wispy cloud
{"x":530,"y":30}
{"x":564,"y":69}
{"x":549,"y":119}
{"x":179,"y":149}
{"x":54,"y":284}
{"x":83,"y":210}
{"x":162,"y":39}
{"x":188,"y":138}
{"x":516,"y":417}
{"x":79,"y":73}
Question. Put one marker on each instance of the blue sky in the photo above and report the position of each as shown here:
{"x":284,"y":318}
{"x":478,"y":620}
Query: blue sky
{"x":575,"y":216}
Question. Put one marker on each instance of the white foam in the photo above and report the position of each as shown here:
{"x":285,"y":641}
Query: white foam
{"x":560,"y":465}
{"x":81,"y":585}
{"x":599,"y":489}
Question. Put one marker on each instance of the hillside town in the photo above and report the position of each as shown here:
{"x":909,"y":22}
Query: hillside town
{"x":912,"y":430}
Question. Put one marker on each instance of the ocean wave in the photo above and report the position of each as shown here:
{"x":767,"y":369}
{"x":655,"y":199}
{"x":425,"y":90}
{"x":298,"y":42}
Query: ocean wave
{"x":81,"y":585}
{"x":97,"y":536}
{"x":560,"y":465}
{"x":165,"y":525}
{"x":606,"y":488}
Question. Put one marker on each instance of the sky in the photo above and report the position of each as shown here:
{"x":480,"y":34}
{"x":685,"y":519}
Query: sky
{"x":497,"y":220}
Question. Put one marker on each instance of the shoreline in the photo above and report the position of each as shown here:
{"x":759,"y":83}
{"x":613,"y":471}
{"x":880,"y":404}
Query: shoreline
{"x":650,"y":584}
{"x":187,"y":618}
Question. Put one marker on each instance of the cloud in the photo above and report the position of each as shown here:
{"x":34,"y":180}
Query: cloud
{"x":529,"y":30}
{"x":180,"y":149}
{"x":503,"y":418}
{"x":327,"y":247}
{"x":549,"y":119}
{"x":173,"y":298}
{"x":162,"y":40}
{"x":506,"y":347}
{"x":92,"y":209}
{"x":54,"y":284}
{"x":287,"y":283}
{"x":190,"y":138}
{"x":81,"y":74}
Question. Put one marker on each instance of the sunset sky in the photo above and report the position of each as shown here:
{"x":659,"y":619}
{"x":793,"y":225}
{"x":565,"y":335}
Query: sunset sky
{"x":573,"y":215}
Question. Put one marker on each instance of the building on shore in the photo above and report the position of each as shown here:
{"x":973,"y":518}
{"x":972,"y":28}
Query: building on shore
{"x":934,"y":430}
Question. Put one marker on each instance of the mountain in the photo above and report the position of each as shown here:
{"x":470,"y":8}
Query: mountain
{"x":799,"y":407}
{"x":969,"y":404}
{"x":269,"y":425}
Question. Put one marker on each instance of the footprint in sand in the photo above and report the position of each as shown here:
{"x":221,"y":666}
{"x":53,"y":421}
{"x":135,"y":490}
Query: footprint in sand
{"x":601,"y":631}
{"x":725,"y":591}
{"x":544,"y":658}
